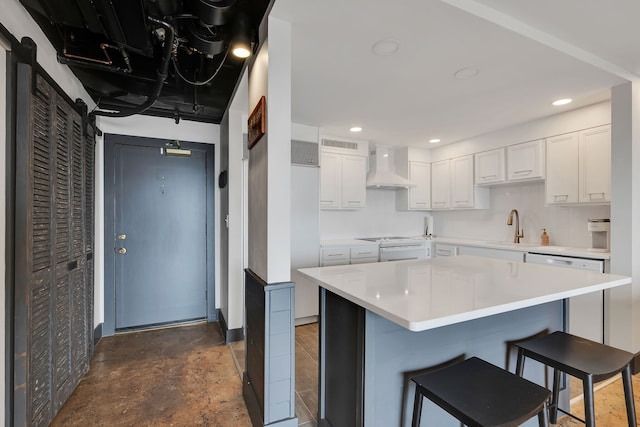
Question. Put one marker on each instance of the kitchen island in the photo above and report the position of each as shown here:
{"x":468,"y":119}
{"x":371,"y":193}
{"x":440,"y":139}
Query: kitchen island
{"x":380,"y":321}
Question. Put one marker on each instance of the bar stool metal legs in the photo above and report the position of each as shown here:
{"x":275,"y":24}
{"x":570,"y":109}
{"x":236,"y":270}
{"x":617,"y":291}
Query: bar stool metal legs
{"x":584,"y":359}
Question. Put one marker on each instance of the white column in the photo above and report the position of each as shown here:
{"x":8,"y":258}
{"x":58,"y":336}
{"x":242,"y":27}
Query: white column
{"x":270,"y":158}
{"x":623,"y":304}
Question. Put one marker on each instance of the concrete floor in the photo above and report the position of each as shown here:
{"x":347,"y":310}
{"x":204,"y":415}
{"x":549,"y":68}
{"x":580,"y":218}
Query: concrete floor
{"x":187,"y":376}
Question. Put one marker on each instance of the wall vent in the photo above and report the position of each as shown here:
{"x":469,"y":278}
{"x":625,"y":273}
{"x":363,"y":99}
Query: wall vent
{"x":340,"y":144}
{"x":304,"y":153}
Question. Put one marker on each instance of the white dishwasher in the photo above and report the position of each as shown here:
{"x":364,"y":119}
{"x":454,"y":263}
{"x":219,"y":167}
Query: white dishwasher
{"x":586,"y":312}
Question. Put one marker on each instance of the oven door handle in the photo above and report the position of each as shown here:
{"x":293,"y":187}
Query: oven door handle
{"x":390,"y":249}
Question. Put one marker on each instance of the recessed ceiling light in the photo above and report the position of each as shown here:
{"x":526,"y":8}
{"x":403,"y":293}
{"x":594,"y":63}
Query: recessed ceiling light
{"x":466,"y":73}
{"x":434,"y":140}
{"x":563,"y":101}
{"x":356,"y":129}
{"x":385,"y":47}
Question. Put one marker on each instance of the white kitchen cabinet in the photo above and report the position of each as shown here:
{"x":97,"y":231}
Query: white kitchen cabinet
{"x":440,"y":185}
{"x":413,"y":164}
{"x":526,"y":161}
{"x":462,"y":182}
{"x":595,"y":165}
{"x":417,"y":198}
{"x":346,"y":254}
{"x":338,"y":255}
{"x":562,"y":169}
{"x":354,"y":181}
{"x":343,"y":181}
{"x":490,"y":167}
{"x":579,"y":167}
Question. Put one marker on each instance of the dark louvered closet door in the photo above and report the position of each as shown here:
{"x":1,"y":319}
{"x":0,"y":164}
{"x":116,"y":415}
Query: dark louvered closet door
{"x":54,"y":251}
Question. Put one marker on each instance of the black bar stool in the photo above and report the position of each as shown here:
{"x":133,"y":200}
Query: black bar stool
{"x":480,"y":394}
{"x":587,"y":360}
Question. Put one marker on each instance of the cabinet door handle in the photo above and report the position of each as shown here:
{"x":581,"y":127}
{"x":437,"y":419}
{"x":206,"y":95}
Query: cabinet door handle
{"x":561,"y":197}
{"x":326,"y":201}
{"x":599,"y":196}
{"x":523,"y":172}
{"x":353,"y":201}
{"x":489,"y":176}
{"x":439,"y":203}
{"x":329,"y":255}
{"x":421,"y":203}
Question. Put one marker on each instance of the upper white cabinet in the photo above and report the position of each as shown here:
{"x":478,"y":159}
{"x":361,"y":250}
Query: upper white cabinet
{"x":330,"y":180}
{"x":579,"y":167}
{"x":462,"y":182}
{"x":525,"y":161}
{"x":354,"y":181}
{"x":413,"y":164}
{"x":490,"y":167}
{"x":440,"y":179}
{"x":343,"y":176}
{"x":562,"y":169}
{"x":452,"y":185}
{"x":595,"y":165}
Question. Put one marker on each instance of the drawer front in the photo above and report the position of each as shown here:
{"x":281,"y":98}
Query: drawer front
{"x":363,"y":260}
{"x":331,"y":254}
{"x":364,"y":252}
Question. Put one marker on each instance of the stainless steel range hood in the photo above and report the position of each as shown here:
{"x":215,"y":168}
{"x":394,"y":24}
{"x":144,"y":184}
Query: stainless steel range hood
{"x":382,"y":170}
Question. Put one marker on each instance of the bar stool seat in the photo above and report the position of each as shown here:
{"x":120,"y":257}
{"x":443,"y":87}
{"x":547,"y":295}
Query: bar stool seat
{"x":480,"y":394}
{"x":587,"y":360}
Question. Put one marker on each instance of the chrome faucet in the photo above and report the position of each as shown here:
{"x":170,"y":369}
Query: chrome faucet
{"x":519,"y":234}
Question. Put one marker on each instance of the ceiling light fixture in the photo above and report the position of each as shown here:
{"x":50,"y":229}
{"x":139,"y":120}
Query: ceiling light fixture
{"x":563,"y":101}
{"x":385,"y":47}
{"x":241,"y":44}
{"x":434,"y":140}
{"x":356,"y":129}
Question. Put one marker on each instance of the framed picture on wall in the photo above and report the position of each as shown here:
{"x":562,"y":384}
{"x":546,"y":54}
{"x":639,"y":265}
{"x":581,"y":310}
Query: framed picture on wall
{"x":256,"y":123}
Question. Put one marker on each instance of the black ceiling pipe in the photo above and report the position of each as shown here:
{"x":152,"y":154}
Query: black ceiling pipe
{"x":162,"y":76}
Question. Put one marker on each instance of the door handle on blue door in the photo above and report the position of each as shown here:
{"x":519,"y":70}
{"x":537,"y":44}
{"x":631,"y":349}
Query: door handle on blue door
{"x":122,"y":251}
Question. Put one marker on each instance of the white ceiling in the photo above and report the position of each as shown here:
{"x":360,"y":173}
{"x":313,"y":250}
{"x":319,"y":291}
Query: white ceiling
{"x":526,"y":53}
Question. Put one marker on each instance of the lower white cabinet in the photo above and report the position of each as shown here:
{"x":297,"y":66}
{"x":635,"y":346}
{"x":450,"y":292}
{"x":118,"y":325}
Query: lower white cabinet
{"x":345,"y":254}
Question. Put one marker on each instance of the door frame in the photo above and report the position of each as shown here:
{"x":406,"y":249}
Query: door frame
{"x":110,"y":140}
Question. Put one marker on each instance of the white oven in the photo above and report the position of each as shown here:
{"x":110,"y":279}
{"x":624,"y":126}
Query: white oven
{"x":402,"y":252}
{"x":402,"y":248}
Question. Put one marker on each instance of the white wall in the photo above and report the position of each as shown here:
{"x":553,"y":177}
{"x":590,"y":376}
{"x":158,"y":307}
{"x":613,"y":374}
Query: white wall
{"x":3,"y":218}
{"x":379,"y":218}
{"x":151,"y":127}
{"x":233,"y":310}
{"x":270,"y":158}
{"x":18,"y":21}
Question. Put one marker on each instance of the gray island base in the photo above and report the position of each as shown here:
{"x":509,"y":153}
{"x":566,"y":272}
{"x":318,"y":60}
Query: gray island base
{"x":380,"y":321}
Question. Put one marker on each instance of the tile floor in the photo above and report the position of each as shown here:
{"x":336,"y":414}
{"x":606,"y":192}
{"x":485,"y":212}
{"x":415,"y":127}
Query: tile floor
{"x":185,"y":376}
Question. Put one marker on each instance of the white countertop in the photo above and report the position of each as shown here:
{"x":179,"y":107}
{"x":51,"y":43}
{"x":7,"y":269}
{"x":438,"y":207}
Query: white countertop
{"x":346,"y":242}
{"x":430,"y":293}
{"x":526,"y":247}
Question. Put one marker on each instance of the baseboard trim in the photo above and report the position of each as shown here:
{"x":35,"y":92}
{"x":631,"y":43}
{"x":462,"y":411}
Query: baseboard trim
{"x":97,"y":334}
{"x":230,"y":335}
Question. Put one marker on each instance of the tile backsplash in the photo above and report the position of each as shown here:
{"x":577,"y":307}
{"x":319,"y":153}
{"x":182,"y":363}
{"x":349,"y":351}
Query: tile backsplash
{"x":566,"y":226}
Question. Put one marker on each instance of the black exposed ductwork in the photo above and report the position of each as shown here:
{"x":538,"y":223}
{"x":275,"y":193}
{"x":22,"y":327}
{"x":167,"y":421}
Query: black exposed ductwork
{"x":122,"y":51}
{"x":169,"y":39}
